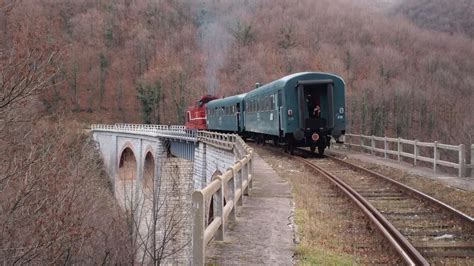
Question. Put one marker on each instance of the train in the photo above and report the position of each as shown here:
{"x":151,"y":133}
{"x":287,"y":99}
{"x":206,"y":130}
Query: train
{"x":299,"y":110}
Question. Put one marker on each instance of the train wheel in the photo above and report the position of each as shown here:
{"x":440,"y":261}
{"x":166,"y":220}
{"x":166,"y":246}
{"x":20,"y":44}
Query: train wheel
{"x":312,"y":148}
{"x":275,"y":141}
{"x":321,"y":149}
{"x":291,"y":148}
{"x":256,"y":138}
{"x":322,"y":146}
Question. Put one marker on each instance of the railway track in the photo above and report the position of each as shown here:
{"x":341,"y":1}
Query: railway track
{"x":421,"y":229}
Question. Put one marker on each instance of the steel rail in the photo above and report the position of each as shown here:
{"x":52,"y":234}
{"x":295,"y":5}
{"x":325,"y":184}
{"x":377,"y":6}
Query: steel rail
{"x":401,"y":245}
{"x":464,"y":217}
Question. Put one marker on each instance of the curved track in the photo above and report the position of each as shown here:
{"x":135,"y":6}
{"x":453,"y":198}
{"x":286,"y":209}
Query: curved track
{"x":421,"y":229}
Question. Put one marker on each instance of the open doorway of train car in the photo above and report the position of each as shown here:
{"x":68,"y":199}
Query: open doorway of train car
{"x":237,"y":113}
{"x":316,"y":104}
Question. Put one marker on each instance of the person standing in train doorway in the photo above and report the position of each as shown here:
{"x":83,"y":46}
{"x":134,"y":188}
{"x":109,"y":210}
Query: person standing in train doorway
{"x":314,"y":109}
{"x":317,"y":111}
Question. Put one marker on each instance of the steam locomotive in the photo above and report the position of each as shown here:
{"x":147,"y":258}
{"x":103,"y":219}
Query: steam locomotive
{"x":300,"y":110}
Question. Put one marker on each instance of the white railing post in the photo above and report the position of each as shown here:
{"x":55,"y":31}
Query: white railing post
{"x":472,"y":160}
{"x":240,"y":180}
{"x":435,"y":156}
{"x":219,"y":209}
{"x":199,"y":247}
{"x":231,"y":197}
{"x":385,"y":148}
{"x":462,"y":160}
{"x":400,"y":149}
{"x":372,"y":145}
{"x":416,"y":151}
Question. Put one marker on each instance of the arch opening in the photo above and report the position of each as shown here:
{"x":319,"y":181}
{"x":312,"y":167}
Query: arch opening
{"x":149,"y":171}
{"x":128,"y":165}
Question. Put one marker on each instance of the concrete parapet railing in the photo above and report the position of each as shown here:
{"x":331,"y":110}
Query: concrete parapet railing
{"x":233,"y":185}
{"x":219,"y":140}
{"x":360,"y":141}
{"x":172,"y":131}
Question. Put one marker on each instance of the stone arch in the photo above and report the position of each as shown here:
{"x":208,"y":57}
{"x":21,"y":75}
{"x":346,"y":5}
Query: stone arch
{"x":149,"y":170}
{"x":127,"y":169}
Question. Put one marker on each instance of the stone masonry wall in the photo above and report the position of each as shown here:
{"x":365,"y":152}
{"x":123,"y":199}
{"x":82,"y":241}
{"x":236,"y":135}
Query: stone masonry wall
{"x":209,"y":159}
{"x":176,"y":193}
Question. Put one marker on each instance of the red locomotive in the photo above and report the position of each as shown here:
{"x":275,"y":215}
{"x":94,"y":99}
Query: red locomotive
{"x":196,"y":115}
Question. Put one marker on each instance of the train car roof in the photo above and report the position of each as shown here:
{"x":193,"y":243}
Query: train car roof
{"x":227,"y":100}
{"x":282,"y":81}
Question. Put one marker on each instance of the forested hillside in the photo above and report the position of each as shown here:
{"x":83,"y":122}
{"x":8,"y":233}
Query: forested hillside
{"x":135,"y":61}
{"x":146,"y":61}
{"x":454,"y":16}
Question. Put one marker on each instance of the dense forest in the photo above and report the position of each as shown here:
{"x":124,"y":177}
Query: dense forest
{"x":455,"y":16}
{"x":146,"y":61}
{"x":66,"y":64}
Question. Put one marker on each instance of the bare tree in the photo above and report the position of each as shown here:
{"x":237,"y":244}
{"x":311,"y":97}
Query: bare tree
{"x":158,"y":215}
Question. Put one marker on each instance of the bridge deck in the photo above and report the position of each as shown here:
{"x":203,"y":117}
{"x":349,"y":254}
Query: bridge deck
{"x":262,"y":234}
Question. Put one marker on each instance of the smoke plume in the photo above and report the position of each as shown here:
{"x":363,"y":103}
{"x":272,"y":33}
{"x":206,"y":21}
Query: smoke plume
{"x":214,"y":40}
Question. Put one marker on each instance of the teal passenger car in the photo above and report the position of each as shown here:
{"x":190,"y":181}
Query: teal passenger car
{"x":226,"y":114}
{"x":302,"y":110}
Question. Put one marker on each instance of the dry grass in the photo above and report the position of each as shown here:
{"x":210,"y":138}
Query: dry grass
{"x":331,"y":229}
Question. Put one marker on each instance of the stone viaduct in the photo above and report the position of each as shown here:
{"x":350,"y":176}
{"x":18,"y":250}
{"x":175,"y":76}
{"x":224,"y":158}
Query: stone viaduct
{"x":154,"y":170}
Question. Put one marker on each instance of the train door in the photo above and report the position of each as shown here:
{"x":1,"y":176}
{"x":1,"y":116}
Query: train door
{"x":279,"y":111}
{"x":237,"y":113}
{"x":316,"y":104}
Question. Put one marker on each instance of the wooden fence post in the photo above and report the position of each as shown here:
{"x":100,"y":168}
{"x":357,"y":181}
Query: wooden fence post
{"x":385,"y":148}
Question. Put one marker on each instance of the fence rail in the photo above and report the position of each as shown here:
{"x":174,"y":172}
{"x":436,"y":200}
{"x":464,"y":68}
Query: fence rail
{"x":372,"y":144}
{"x":231,"y":185}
